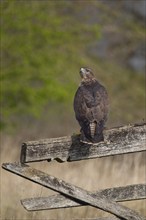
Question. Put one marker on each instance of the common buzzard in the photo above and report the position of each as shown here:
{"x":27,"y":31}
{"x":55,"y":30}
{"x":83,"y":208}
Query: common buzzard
{"x":91,"y":107}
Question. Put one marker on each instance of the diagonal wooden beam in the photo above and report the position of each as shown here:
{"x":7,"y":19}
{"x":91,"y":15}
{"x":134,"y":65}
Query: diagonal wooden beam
{"x":118,"y":194}
{"x":121,"y":140}
{"x":72,"y":191}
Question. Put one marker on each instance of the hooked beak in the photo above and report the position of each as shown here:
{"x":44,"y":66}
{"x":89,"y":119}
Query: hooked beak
{"x":83,"y":73}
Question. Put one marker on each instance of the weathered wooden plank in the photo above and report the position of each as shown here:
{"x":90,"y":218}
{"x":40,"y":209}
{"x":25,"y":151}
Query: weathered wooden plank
{"x":118,"y":194}
{"x":121,"y":140}
{"x":107,"y":218}
{"x":72,"y":191}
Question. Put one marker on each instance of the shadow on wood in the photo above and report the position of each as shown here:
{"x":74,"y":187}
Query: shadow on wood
{"x":121,"y":140}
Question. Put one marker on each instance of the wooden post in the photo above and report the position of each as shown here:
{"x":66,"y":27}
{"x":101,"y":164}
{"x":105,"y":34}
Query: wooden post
{"x":72,"y":191}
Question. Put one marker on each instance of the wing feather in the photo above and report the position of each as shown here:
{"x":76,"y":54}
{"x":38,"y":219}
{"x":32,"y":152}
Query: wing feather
{"x":91,"y":105}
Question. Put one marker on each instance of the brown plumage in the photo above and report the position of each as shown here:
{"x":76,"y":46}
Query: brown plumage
{"x":91,"y":107}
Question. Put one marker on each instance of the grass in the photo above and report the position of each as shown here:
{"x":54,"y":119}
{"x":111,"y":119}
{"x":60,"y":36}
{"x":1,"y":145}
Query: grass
{"x":43,"y":46}
{"x":90,"y":174}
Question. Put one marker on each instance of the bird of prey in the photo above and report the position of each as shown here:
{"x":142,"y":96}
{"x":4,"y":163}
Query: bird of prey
{"x":91,"y":107}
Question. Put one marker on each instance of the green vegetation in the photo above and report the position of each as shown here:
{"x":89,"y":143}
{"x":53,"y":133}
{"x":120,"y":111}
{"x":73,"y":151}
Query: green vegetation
{"x":39,"y":56}
{"x":43,"y":47}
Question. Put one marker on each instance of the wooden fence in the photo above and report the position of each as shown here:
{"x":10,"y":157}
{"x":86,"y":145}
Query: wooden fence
{"x":120,"y":140}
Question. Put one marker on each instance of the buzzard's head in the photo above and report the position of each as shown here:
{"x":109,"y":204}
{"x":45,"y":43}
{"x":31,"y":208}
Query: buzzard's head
{"x":86,"y":73}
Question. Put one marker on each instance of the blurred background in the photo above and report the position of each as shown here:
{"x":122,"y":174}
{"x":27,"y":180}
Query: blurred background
{"x":43,"y":46}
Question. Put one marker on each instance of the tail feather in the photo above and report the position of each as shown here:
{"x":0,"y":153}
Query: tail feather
{"x":93,"y":129}
{"x":96,"y":132}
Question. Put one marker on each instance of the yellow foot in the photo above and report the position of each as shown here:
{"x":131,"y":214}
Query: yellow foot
{"x":86,"y":142}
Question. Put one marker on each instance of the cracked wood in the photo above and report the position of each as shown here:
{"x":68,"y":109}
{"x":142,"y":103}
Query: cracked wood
{"x":121,"y":140}
{"x":118,"y":194}
{"x":72,"y":191}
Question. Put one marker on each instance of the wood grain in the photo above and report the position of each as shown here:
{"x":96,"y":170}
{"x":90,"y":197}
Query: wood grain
{"x":118,"y":194}
{"x":72,"y":191}
{"x":121,"y":140}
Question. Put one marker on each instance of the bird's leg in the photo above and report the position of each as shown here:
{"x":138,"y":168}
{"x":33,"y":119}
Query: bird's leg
{"x":101,"y":139}
{"x":83,"y":138}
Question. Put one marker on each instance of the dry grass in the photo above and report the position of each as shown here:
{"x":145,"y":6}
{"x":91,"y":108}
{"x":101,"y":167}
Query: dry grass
{"x":125,"y":88}
{"x":90,"y":174}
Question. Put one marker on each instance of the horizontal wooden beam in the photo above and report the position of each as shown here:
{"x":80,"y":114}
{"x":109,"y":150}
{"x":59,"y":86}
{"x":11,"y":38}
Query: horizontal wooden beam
{"x":121,"y":140}
{"x":72,"y":191}
{"x":118,"y":194}
{"x":106,"y":218}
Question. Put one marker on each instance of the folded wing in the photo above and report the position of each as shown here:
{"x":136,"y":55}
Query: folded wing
{"x":91,"y":109}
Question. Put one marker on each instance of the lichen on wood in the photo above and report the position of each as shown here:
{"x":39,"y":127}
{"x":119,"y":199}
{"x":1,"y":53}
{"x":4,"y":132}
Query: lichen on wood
{"x":72,"y":191}
{"x":118,"y":194}
{"x":120,"y":140}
